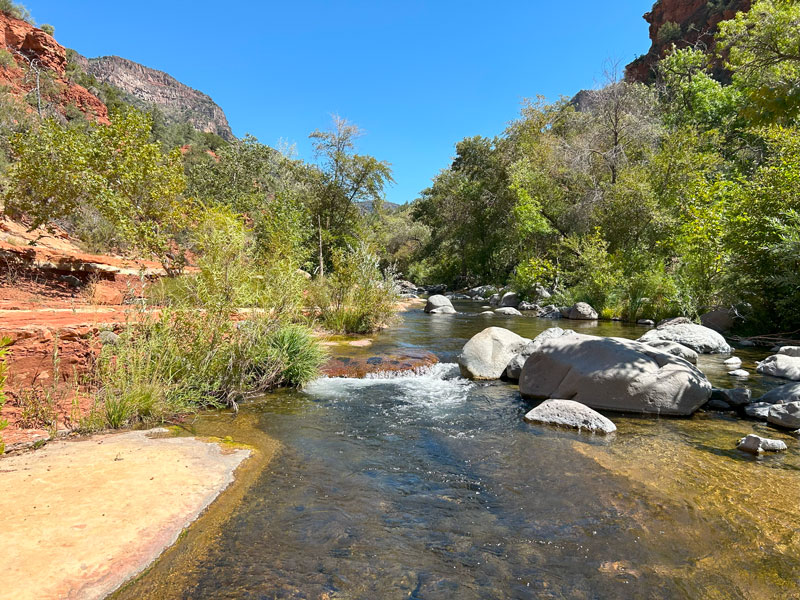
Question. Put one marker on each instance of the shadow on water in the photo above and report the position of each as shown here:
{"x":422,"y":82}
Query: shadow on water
{"x":434,"y":487}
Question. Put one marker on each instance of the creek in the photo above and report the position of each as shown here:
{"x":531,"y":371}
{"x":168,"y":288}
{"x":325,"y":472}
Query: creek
{"x":431,"y":486}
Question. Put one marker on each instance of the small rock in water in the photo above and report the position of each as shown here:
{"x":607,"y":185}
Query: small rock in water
{"x":508,"y":311}
{"x":785,"y":415}
{"x":732,"y":362}
{"x":648,"y":322}
{"x":781,"y":365}
{"x":488,"y":312}
{"x":755,"y":444}
{"x":747,"y":344}
{"x":758,"y":410}
{"x":734,"y":397}
{"x":739,"y":373}
{"x":570,"y":414}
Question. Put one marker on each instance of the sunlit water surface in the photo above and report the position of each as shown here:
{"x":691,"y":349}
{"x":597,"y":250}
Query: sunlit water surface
{"x":432,"y":486}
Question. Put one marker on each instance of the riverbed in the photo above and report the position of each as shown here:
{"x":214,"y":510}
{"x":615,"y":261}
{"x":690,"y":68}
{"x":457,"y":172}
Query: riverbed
{"x":431,"y":486}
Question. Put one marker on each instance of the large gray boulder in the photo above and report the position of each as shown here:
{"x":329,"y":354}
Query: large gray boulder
{"x":758,"y":410}
{"x":514,"y":369}
{"x":785,"y":415}
{"x":700,"y":339}
{"x":487,"y":354}
{"x":569,"y":413}
{"x":614,"y":374}
{"x":720,"y":320}
{"x":437,"y":301}
{"x":781,"y":365}
{"x":582,"y":312}
{"x":790,"y":350}
{"x":509,"y":299}
{"x":755,"y":444}
{"x":675,"y":349}
{"x":783,"y":394}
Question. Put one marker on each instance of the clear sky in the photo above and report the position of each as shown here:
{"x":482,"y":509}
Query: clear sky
{"x":416,"y":75}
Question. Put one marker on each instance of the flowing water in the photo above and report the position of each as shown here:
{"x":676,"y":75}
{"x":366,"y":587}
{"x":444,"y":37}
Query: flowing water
{"x":431,"y":486}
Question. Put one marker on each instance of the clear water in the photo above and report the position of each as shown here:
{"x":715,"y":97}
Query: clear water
{"x":434,"y":487}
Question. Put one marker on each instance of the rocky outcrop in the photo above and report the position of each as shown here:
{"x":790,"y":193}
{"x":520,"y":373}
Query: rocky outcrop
{"x":487,"y":354}
{"x":567,"y":413}
{"x":613,"y":374}
{"x":31,"y":47}
{"x":684,"y":23}
{"x":178,"y":102}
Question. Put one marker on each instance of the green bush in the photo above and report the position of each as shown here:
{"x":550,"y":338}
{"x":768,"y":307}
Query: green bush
{"x":48,"y":29}
{"x":6,"y":59}
{"x":357,"y":297}
{"x":532,"y":273}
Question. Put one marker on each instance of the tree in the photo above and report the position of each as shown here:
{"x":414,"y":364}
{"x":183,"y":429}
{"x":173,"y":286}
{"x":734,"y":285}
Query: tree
{"x":115,"y":169}
{"x":345,"y":180}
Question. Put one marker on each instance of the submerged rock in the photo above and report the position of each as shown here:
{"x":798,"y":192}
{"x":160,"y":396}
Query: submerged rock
{"x":508,"y":311}
{"x":734,"y":397}
{"x":785,"y":415}
{"x":569,"y":413}
{"x":758,"y":410}
{"x":614,"y":374}
{"x":438,"y":301}
{"x":487,"y":354}
{"x":755,"y":444}
{"x":717,"y":404}
{"x":741,"y":373}
{"x":646,"y":322}
{"x":675,"y":349}
{"x":781,"y":365}
{"x":698,"y":338}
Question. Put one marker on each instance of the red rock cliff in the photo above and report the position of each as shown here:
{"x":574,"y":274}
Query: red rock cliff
{"x":697,"y":19}
{"x":25,"y":43}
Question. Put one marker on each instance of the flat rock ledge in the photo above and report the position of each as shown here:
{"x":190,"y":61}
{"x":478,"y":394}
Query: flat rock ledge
{"x":85,"y":516}
{"x":568,"y":413}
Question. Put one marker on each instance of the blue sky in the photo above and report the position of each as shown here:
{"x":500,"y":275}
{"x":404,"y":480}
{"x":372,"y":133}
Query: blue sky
{"x":416,"y":75}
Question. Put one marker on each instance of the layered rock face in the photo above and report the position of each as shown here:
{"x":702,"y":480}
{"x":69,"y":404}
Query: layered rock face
{"x":149,"y":87}
{"x":30,"y":45}
{"x":697,"y":19}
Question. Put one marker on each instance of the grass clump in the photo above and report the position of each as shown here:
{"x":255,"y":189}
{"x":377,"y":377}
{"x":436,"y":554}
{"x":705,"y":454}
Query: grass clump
{"x":357,"y":297}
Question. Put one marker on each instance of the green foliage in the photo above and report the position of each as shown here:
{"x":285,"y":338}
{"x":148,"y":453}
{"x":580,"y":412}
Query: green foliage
{"x":357,"y":296}
{"x":7,"y":59}
{"x":669,"y":32}
{"x":48,"y":29}
{"x":116,"y":170}
{"x":531,"y":274}
{"x":16,"y":10}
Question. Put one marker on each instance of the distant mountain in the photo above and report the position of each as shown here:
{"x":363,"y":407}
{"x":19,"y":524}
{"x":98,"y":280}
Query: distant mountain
{"x":367,"y":207}
{"x":145,"y":87}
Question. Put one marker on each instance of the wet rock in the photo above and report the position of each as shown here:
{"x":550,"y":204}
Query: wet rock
{"x":781,"y":365}
{"x":514,"y":368}
{"x":785,"y":415}
{"x":494,"y":300}
{"x":437,"y":301}
{"x":509,"y":299}
{"x":675,"y":349}
{"x":508,"y":311}
{"x":793,"y":351}
{"x":581,"y":311}
{"x":400,"y":360}
{"x":700,"y":339}
{"x":443,"y":310}
{"x":647,"y":322}
{"x":551,"y":311}
{"x":741,"y":373}
{"x":732,"y":362}
{"x":488,"y":312}
{"x":568,"y":413}
{"x":734,"y":397}
{"x":528,"y":306}
{"x":747,"y":344}
{"x":487,"y":354}
{"x":758,"y":410}
{"x":783,"y":394}
{"x":614,"y":374}
{"x":755,"y":444}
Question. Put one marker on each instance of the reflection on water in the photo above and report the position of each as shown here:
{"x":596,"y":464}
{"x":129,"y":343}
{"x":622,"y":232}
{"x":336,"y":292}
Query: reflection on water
{"x":434,"y":487}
